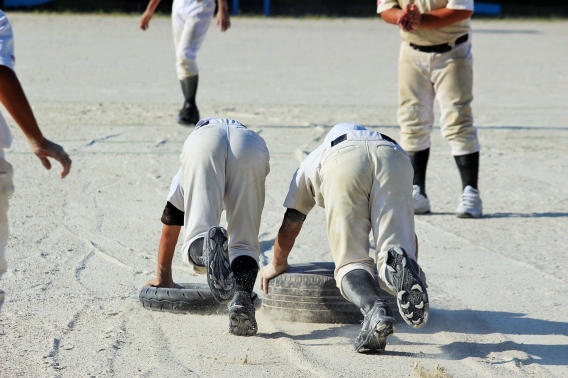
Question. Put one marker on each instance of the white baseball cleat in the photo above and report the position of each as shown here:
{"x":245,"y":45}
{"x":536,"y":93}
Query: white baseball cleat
{"x":420,"y":201}
{"x":470,"y":205}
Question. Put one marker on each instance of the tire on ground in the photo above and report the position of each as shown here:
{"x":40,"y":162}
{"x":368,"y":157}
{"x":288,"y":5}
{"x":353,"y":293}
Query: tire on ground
{"x":187,"y":297}
{"x":308,"y":293}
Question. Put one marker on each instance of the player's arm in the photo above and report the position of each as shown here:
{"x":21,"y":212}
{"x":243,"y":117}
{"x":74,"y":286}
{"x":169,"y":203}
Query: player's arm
{"x":287,"y":234}
{"x":172,"y":218}
{"x":411,"y":19}
{"x":15,"y":101}
{"x":392,"y":16}
{"x":223,"y":16}
{"x":144,"y":22}
{"x":443,"y":17}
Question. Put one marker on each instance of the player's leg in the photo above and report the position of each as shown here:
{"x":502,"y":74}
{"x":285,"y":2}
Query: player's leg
{"x":247,"y":168}
{"x":416,"y":117}
{"x":453,"y":78}
{"x":392,"y":221}
{"x":345,"y":187}
{"x":203,"y":166}
{"x":6,"y":190}
{"x":190,"y":25}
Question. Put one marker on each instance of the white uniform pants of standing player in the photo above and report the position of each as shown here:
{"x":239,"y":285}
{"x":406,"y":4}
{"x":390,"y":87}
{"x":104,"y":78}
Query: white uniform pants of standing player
{"x":367,"y":186}
{"x":448,"y":76}
{"x":224,"y":167}
{"x":190,"y":21}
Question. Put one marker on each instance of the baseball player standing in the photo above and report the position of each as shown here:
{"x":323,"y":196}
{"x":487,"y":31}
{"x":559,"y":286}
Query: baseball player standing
{"x":13,"y":98}
{"x":190,"y":22}
{"x":435,"y":62}
{"x":362,"y":179}
{"x":223,"y":166}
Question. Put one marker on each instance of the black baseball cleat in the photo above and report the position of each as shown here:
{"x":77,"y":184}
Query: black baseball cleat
{"x":219,"y":274}
{"x":377,"y":326}
{"x":188,"y":115}
{"x":241,"y":315}
{"x":402,"y":272}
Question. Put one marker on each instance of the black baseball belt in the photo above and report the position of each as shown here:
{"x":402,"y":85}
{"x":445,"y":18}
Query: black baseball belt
{"x":343,"y":137}
{"x":444,"y":47}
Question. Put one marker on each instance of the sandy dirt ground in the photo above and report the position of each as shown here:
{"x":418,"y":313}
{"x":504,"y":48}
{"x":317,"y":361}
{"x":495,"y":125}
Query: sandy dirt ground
{"x":81,"y":248}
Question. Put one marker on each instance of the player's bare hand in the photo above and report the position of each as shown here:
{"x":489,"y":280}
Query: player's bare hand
{"x":45,"y":149}
{"x":223,"y":19}
{"x":269,"y":272}
{"x":145,"y":20}
{"x":160,"y":282}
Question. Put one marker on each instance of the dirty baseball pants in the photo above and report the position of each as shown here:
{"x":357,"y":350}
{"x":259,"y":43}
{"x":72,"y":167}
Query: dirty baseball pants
{"x":447,"y":77}
{"x":224,"y":167}
{"x":367,"y":186}
{"x":6,"y":190}
{"x":190,"y":21}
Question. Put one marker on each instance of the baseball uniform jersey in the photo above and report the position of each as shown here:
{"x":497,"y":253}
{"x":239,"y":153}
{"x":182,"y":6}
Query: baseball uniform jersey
{"x":445,"y":76}
{"x":190,"y":22}
{"x":364,"y":182}
{"x":6,"y":183}
{"x":223,"y":167}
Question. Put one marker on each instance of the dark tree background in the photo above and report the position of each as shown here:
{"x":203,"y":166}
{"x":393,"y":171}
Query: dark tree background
{"x":541,"y":8}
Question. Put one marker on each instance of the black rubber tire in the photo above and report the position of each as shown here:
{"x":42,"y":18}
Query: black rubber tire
{"x":308,"y":293}
{"x":189,"y":297}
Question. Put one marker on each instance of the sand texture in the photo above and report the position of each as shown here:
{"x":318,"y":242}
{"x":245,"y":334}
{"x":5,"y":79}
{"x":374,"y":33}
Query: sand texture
{"x":81,"y":248}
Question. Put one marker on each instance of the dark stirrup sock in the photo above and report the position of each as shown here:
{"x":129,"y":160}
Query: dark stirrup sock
{"x":419,"y":160}
{"x":245,"y":269}
{"x":468,"y":165}
{"x":189,"y":89}
{"x":360,"y":288}
{"x":196,"y":251}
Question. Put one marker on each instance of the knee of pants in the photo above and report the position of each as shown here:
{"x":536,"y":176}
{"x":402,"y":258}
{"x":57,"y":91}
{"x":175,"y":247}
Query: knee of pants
{"x":415,"y":127}
{"x":6,"y":182}
{"x":462,"y":138}
{"x":342,"y":271}
{"x":186,"y":67}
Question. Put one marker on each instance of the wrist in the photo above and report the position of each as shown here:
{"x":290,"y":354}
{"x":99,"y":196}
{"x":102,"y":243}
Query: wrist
{"x":36,"y":141}
{"x":279,"y":263}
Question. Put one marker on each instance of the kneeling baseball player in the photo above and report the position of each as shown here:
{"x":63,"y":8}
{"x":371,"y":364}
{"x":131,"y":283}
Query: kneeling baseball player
{"x":223,"y":166}
{"x":363,"y":180}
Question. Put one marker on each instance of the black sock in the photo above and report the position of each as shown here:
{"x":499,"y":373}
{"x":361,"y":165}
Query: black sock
{"x":245,"y":269}
{"x":196,"y":252}
{"x":189,"y":89}
{"x":468,"y":165}
{"x":360,"y":288}
{"x":419,"y":160}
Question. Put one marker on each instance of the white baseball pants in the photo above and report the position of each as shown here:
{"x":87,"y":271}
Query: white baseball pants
{"x":190,"y":21}
{"x":6,"y":190}
{"x":448,"y":77}
{"x":367,"y":186}
{"x":224,"y":167}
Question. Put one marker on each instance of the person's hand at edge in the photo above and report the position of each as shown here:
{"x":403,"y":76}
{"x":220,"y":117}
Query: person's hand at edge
{"x":45,"y":149}
{"x":159,"y":282}
{"x":223,"y":17}
{"x":269,"y":272}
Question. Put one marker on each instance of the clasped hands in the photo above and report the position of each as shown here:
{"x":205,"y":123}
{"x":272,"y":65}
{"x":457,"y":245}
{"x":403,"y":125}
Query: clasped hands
{"x":410,"y":18}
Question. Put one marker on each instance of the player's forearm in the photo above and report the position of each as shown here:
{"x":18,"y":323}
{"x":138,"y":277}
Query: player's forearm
{"x":152,"y":5}
{"x":166,"y":251}
{"x":223,"y":6}
{"x":392,"y":15}
{"x":14,"y":100}
{"x":443,"y":17}
{"x":284,"y":242}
